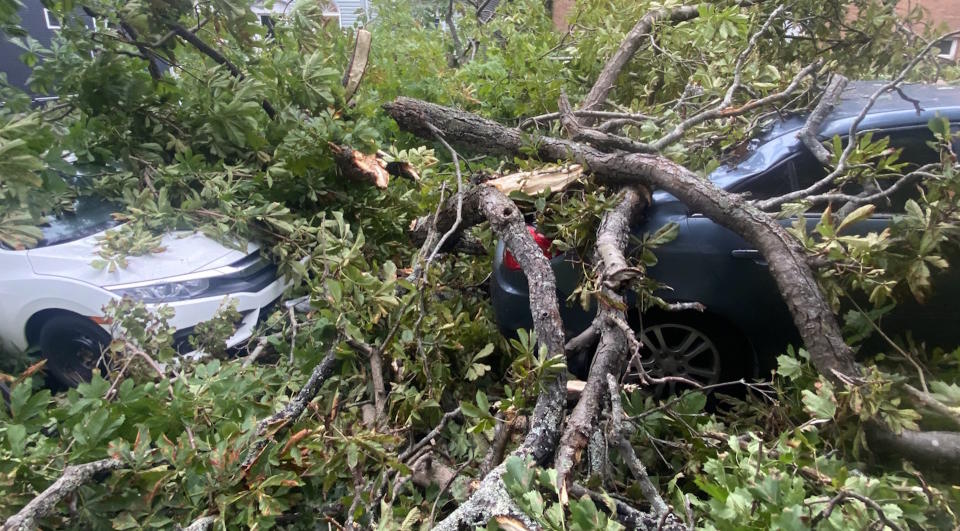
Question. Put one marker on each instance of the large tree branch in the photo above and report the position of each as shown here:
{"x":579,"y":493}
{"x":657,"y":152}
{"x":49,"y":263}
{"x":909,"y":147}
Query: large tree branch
{"x":611,"y":355}
{"x":631,"y":43}
{"x":72,"y":478}
{"x":489,"y":204}
{"x":788,"y":265}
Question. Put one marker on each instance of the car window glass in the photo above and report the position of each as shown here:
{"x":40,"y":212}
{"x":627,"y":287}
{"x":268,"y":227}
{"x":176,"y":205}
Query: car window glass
{"x":802,"y":171}
{"x":89,"y":215}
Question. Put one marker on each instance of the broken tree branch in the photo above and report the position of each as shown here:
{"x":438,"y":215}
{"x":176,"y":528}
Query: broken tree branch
{"x":631,"y":43}
{"x":281,"y":420}
{"x":491,"y":499}
{"x":828,"y":100}
{"x":72,"y":478}
{"x":788,"y":264}
{"x":611,"y":355}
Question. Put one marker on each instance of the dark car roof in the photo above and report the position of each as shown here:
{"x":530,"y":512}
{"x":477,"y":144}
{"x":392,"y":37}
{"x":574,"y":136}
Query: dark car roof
{"x":890,"y":111}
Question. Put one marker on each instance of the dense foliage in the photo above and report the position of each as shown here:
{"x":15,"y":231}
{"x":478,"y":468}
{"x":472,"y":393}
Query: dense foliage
{"x":187,"y":144}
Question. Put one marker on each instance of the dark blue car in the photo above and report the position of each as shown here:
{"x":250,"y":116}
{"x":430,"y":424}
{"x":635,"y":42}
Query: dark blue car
{"x":746,"y":323}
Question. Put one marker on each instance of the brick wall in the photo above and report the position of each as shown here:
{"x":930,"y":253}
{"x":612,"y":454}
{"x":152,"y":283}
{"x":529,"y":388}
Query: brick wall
{"x":945,"y":12}
{"x":562,"y":9}
{"x":941,"y":11}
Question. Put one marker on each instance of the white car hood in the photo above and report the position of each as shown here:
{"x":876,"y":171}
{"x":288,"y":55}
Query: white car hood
{"x":185,"y":252}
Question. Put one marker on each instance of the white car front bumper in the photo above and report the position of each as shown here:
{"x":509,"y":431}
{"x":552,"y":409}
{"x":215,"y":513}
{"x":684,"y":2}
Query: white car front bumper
{"x":189,"y":313}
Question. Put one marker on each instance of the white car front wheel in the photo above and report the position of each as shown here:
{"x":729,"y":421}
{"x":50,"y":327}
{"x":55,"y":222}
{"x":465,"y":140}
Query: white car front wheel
{"x":73,"y":347}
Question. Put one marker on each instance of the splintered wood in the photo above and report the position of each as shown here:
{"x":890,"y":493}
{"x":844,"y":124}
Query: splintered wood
{"x":555,"y":178}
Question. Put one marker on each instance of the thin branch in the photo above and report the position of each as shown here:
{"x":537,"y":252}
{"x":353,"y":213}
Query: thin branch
{"x":723,"y":110}
{"x":628,"y":47}
{"x":618,"y":432}
{"x":447,"y":417}
{"x":851,"y":146}
{"x":280,"y":421}
{"x":845,"y":495}
{"x":931,"y":402}
{"x":219,"y":58}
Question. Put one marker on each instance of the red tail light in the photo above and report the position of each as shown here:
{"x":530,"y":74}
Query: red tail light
{"x":542,"y":241}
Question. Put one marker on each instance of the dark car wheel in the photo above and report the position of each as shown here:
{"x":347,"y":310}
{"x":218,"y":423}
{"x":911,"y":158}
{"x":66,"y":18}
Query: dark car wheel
{"x":72,"y":346}
{"x":693,"y":347}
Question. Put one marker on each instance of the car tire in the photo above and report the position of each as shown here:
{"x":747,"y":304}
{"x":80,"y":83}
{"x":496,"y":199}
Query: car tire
{"x":691,"y":346}
{"x":72,"y":346}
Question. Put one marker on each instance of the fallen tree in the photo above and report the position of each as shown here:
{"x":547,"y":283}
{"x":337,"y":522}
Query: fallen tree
{"x":372,"y":399}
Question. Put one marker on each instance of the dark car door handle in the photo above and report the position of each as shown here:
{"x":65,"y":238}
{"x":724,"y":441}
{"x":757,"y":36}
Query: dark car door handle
{"x":748,"y":254}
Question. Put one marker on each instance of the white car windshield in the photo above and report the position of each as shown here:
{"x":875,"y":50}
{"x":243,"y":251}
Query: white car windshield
{"x":89,"y":216}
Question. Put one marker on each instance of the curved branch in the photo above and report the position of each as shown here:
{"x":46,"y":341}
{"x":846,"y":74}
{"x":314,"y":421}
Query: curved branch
{"x":281,"y":420}
{"x":811,"y":314}
{"x":808,"y":133}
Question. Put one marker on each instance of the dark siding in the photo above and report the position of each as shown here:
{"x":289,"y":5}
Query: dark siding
{"x":32,"y":20}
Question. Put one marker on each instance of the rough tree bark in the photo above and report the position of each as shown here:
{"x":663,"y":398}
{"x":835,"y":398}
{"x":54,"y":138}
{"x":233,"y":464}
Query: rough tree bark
{"x":487,"y":203}
{"x":631,"y":43}
{"x":612,"y":353}
{"x":72,"y":478}
{"x":811,"y":314}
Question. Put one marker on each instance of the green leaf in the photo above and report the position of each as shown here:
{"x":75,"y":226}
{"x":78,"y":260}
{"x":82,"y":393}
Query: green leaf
{"x":822,"y":404}
{"x":788,"y":366}
{"x":17,"y":438}
{"x":859,"y":214}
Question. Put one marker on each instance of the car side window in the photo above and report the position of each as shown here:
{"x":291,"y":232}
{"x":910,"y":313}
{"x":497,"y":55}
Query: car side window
{"x":803,"y":170}
{"x":779,"y":180}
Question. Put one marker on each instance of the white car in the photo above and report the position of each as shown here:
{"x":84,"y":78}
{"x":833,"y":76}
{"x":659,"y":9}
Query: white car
{"x":52,"y":298}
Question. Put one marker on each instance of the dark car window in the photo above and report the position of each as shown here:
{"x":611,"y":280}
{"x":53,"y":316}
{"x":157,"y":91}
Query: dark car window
{"x":802,"y":170}
{"x":90,"y":215}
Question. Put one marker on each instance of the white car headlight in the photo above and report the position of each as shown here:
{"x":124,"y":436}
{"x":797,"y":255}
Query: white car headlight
{"x":169,"y":292}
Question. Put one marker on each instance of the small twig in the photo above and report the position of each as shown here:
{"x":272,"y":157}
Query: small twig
{"x":618,"y":433}
{"x":252,"y":357}
{"x":931,"y":402}
{"x":443,"y":489}
{"x":844,"y":495}
{"x":293,"y":332}
{"x":447,"y":417}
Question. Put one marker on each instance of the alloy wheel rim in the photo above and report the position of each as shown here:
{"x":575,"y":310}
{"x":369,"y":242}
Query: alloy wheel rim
{"x":679,"y":350}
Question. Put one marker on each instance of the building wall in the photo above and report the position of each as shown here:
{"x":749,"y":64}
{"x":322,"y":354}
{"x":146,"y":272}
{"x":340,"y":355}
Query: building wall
{"x":942,"y":15}
{"x":561,"y":10}
{"x":34,"y":21}
{"x":351,"y":11}
{"x":945,"y":12}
